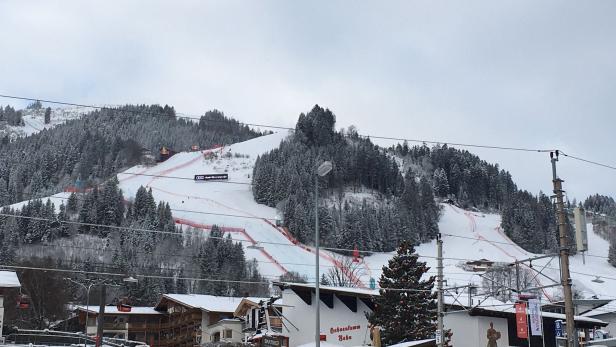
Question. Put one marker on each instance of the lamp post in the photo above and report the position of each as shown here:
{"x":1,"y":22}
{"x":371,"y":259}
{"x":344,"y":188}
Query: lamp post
{"x":87,"y":288}
{"x":322,"y":170}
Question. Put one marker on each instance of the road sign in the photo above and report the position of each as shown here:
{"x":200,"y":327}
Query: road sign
{"x":439,"y":337}
{"x":558,"y":328}
{"x":212,"y":177}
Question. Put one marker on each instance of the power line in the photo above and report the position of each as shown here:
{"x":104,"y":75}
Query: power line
{"x":459,"y":144}
{"x":18,"y":267}
{"x":126,"y":228}
{"x":588,"y":161}
{"x":198,"y":257}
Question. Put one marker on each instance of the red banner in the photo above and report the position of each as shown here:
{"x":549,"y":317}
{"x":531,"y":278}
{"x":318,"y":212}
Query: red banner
{"x":520,"y":319}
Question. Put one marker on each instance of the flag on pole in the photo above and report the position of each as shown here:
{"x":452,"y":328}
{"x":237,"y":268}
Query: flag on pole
{"x":520,"y":319}
{"x":534,"y":311}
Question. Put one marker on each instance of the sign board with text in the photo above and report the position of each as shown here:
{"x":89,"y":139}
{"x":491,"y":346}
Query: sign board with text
{"x":212,"y":177}
{"x":520,"y":320}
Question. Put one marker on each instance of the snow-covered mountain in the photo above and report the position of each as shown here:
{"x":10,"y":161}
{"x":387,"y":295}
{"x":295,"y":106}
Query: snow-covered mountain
{"x":34,"y":120}
{"x":230,"y":204}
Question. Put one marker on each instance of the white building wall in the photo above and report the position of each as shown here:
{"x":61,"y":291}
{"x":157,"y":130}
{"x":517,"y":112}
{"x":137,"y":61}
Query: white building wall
{"x":340,"y":325}
{"x":609,"y":318}
{"x":471,"y":331}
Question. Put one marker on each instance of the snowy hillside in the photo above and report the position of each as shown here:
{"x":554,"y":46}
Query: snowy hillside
{"x":230,"y":204}
{"x":35,"y":120}
{"x":473,"y":236}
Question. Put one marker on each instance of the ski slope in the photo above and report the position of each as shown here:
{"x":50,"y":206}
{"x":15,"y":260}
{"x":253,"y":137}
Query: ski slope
{"x":473,"y":236}
{"x":230,"y":205}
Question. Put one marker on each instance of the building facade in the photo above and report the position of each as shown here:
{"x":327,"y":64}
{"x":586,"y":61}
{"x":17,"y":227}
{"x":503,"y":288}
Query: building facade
{"x":142,"y":324}
{"x":342,"y":312}
{"x":196,"y":319}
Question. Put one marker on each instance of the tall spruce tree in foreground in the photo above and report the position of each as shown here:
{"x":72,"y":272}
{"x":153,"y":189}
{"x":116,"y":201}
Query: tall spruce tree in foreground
{"x":407,"y":314}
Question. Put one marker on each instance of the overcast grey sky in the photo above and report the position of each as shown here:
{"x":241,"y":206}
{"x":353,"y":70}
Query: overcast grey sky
{"x":509,"y":73}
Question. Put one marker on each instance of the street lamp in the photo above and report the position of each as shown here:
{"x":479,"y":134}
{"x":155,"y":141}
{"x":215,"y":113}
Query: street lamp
{"x":87,"y":288}
{"x":322,"y":170}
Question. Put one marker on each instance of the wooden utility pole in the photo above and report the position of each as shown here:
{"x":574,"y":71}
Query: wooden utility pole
{"x":564,"y":252}
{"x":440,"y":337}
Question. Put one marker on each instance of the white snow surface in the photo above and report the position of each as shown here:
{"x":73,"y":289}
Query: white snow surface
{"x":411,"y":343}
{"x":471,"y":236}
{"x":610,"y":307}
{"x":8,"y":279}
{"x":210,"y":303}
{"x":35,"y":119}
{"x":322,"y":344}
{"x":466,"y":235}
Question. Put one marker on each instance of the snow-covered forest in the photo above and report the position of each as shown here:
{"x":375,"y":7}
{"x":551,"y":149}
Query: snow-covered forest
{"x":100,"y":144}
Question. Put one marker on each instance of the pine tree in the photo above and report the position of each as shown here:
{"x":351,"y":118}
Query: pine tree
{"x":48,"y":115}
{"x":611,"y":256}
{"x":406,"y":307}
{"x":441,"y":184}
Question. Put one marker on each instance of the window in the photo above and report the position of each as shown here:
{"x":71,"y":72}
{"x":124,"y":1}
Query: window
{"x":228,"y":334}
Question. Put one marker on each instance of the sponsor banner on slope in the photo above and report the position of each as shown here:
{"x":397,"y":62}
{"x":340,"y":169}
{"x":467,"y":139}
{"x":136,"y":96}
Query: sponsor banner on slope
{"x":534,"y":311}
{"x":211,"y":177}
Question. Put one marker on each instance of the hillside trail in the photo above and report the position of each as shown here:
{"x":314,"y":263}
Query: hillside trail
{"x":283,"y":231}
{"x":472,"y":224}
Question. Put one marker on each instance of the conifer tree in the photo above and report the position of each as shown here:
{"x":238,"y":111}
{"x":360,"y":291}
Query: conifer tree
{"x":406,"y":307}
{"x":611,"y":256}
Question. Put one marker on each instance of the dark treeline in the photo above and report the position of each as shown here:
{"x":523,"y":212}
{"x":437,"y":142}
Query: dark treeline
{"x":11,"y":116}
{"x":601,"y":204}
{"x":102,"y":142}
{"x":604,"y":221}
{"x":402,"y":208}
{"x":459,"y":175}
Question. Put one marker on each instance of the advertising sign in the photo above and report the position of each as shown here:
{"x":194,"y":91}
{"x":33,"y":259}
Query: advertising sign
{"x":581,"y":234}
{"x":558,"y":328}
{"x":534,"y":311}
{"x":271,"y":341}
{"x":212,"y":177}
{"x":520,"y":320}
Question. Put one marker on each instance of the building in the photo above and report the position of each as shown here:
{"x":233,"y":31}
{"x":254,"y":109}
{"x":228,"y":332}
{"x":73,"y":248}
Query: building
{"x":196,"y":319}
{"x":344,"y":322}
{"x":606,"y":313}
{"x":255,"y":324}
{"x":140,"y":324}
{"x":343,"y":314}
{"x":470,"y":323}
{"x":9,"y":284}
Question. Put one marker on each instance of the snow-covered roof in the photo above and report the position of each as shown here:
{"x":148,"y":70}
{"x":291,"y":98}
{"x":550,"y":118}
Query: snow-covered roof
{"x":210,"y":303}
{"x":608,"y":308}
{"x":413,"y":343}
{"x":341,"y":290}
{"x":114,"y":309}
{"x":8,"y":279}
